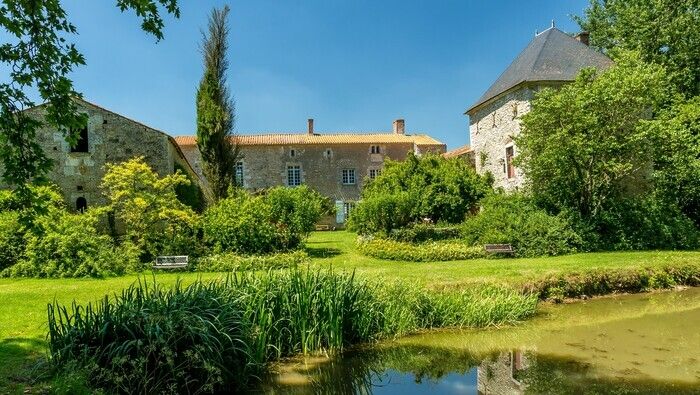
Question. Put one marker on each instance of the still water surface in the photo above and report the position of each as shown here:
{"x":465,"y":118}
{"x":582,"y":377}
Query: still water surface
{"x":631,"y":344}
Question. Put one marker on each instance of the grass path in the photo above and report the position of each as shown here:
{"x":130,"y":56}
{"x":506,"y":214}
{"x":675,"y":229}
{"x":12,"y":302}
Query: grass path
{"x":23,"y":301}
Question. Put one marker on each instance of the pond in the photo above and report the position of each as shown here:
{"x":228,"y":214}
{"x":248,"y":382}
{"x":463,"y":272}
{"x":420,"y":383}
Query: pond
{"x":646,"y":343}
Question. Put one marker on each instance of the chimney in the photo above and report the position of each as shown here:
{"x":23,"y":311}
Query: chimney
{"x":311,"y":126}
{"x":583,"y":37}
{"x":399,"y":126}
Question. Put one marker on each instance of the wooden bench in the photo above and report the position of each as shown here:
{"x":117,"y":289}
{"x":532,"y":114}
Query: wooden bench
{"x":499,"y":248}
{"x":171,"y":262}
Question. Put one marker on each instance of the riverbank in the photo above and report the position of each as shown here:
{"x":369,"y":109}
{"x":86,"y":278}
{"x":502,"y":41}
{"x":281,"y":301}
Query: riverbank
{"x":24,"y":301}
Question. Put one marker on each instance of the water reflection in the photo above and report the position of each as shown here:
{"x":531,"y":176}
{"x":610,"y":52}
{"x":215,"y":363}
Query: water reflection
{"x":629,"y":345}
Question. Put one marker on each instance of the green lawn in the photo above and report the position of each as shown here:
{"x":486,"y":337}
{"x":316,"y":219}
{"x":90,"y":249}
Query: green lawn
{"x":23,"y":301}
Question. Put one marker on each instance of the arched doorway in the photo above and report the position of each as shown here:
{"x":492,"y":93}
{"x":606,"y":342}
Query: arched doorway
{"x":81,"y":204}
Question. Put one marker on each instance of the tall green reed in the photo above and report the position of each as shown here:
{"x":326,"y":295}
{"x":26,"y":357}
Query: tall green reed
{"x":212,"y":336}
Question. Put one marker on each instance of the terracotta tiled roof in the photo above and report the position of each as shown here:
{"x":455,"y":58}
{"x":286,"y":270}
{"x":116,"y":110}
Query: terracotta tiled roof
{"x":319,"y":138}
{"x":458,"y":151}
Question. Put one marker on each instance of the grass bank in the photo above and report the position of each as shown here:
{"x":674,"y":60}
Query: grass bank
{"x":23,"y":301}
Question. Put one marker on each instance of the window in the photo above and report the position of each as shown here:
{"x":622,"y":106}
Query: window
{"x":239,"y":174}
{"x":515,"y":111}
{"x":293,"y":175}
{"x":292,"y":153}
{"x":347,"y":208}
{"x":348,"y":176}
{"x":82,"y":144}
{"x":328,"y":153}
{"x":374,"y":173}
{"x":510,"y":168}
{"x":81,"y":204}
{"x":375,"y":149}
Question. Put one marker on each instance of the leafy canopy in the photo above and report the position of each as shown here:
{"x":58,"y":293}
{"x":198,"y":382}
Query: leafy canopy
{"x":581,"y":145}
{"x":39,"y":56}
{"x":665,"y":32}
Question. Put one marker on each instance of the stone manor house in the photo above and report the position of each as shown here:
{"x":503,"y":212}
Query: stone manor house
{"x":551,"y":59}
{"x":334,"y":164}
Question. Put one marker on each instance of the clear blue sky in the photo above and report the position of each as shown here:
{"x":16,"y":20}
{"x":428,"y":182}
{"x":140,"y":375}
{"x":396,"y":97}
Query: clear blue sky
{"x":353,"y":65}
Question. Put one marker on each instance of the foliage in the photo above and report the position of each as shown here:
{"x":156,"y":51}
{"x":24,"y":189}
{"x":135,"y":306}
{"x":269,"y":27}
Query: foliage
{"x":602,"y":282}
{"x":216,"y":110}
{"x":190,"y":194}
{"x":229,"y":262}
{"x":296,"y":210}
{"x":241,"y":224}
{"x":11,"y":239}
{"x":643,"y":224}
{"x":381,"y":213}
{"x":70,"y":246}
{"x":419,"y":233}
{"x":515,"y":220}
{"x":665,"y":32}
{"x":677,"y":163}
{"x":155,"y":221}
{"x":424,"y":252}
{"x":581,"y":146}
{"x":429,"y":186}
{"x":41,"y":56}
{"x":215,"y":336}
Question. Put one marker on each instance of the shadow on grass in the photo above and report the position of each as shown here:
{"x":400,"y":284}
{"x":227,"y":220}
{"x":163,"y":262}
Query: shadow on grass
{"x":22,"y":363}
{"x":323,"y":252}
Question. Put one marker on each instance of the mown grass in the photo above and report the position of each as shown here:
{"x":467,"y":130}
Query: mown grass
{"x":23,"y":301}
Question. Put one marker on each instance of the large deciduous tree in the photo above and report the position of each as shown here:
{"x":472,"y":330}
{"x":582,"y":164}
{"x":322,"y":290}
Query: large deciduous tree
{"x":582,"y":145}
{"x":39,"y":57}
{"x":216,"y":110}
{"x":666,"y":32}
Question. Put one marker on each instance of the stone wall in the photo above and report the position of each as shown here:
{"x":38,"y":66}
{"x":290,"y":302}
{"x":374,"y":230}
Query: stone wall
{"x":265,"y":166}
{"x":111,"y":139}
{"x":491,"y":130}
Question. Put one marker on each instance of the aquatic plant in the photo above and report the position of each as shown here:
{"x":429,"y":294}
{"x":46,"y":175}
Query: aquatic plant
{"x":212,"y":336}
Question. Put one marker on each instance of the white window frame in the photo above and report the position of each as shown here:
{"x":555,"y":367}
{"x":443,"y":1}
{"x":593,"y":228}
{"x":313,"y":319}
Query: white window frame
{"x":294,"y":175}
{"x":239,"y":173}
{"x":347,"y":209}
{"x":348,"y":176}
{"x":374,"y":173}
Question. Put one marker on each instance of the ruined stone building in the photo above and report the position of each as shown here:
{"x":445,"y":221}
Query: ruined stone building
{"x":106,"y":138}
{"x":551,"y":59}
{"x":334,"y":164}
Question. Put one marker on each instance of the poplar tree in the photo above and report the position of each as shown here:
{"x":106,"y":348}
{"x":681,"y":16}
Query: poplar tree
{"x":216,"y":110}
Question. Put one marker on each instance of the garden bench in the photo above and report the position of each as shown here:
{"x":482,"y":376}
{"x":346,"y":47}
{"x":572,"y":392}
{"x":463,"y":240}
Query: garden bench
{"x":499,"y":248}
{"x":171,"y":262}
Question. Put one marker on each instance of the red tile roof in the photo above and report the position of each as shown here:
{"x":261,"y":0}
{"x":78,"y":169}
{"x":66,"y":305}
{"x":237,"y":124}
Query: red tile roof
{"x":458,"y":151}
{"x":318,"y":138}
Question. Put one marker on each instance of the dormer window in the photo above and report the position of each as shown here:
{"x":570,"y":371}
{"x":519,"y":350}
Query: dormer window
{"x":375,"y":149}
{"x":82,"y":144}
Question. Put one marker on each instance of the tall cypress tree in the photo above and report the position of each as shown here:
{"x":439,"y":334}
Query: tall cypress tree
{"x":216,"y":110}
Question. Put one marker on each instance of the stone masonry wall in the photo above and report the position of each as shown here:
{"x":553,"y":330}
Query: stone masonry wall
{"x":492,"y":128}
{"x":111,"y":139}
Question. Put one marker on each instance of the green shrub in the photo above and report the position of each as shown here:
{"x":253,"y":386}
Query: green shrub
{"x":515,"y":220}
{"x":419,"y":233}
{"x":154,"y":220}
{"x":424,"y":252}
{"x":381,"y":213}
{"x":11,"y":239}
{"x":644,"y":224}
{"x":209,"y":337}
{"x":229,"y":262}
{"x":295,"y":211}
{"x":429,"y":186}
{"x":69,"y":247}
{"x":241,"y":224}
{"x":190,"y":194}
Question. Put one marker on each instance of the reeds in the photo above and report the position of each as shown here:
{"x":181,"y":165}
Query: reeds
{"x":218,"y":335}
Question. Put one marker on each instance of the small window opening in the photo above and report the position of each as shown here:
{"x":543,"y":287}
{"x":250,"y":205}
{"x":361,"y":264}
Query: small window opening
{"x":81,"y":204}
{"x":82,"y":144}
{"x":292,"y":153}
{"x":510,"y":168}
{"x":375,"y":149}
